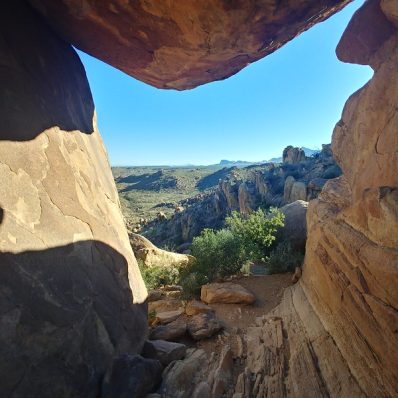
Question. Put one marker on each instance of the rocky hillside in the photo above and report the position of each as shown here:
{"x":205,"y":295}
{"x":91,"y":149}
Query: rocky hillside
{"x":298,"y":177}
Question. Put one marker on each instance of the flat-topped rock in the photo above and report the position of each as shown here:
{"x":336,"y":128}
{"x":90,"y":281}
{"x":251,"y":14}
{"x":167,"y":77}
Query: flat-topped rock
{"x":172,"y":331}
{"x":228,"y":293}
{"x":168,"y":316}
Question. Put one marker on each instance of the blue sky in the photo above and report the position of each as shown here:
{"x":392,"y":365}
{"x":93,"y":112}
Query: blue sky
{"x":292,"y":97}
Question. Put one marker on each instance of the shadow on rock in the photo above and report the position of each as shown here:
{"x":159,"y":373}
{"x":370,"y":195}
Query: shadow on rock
{"x":65,"y":312}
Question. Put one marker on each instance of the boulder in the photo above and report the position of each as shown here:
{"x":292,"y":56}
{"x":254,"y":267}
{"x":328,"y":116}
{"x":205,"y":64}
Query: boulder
{"x":195,"y":307}
{"x":202,"y":326}
{"x":298,"y":192}
{"x":152,"y":256}
{"x":172,"y":331}
{"x":131,"y":376}
{"x":227,"y":292}
{"x":182,"y":44}
{"x":165,"y":305}
{"x":295,"y":224}
{"x":181,"y":378}
{"x":168,"y":316}
{"x":163,"y":351}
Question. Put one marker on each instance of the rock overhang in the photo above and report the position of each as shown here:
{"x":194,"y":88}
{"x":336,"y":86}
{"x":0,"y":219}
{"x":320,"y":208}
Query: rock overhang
{"x":181,"y":44}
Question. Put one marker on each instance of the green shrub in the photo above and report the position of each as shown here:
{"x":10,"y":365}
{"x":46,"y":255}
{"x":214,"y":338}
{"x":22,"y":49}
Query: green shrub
{"x":217,"y":253}
{"x":256,"y":232}
{"x":159,"y":276}
{"x":283,"y":259}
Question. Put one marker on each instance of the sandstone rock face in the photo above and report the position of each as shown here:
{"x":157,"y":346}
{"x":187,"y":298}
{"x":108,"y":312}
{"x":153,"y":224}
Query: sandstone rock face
{"x":152,"y":256}
{"x":289,"y":353}
{"x":70,"y":291}
{"x":227,"y":292}
{"x":350,"y":273}
{"x":182,"y":44}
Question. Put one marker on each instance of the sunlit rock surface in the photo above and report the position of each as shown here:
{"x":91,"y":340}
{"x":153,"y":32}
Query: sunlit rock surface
{"x":182,"y":43}
{"x":69,"y":285}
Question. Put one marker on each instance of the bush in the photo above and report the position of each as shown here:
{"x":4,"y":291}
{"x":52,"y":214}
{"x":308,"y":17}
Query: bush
{"x":157,"y":276}
{"x":217,"y":253}
{"x":256,"y":232}
{"x":283,"y":259}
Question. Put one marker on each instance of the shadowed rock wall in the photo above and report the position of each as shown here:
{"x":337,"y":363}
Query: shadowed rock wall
{"x":70,"y":290}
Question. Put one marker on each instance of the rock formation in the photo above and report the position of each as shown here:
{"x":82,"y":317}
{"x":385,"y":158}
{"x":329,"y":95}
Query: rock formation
{"x":293,"y":155}
{"x":70,"y":292}
{"x":152,"y":256}
{"x":245,"y":190}
{"x":182,"y":44}
{"x":340,"y":321}
{"x":350,"y":274}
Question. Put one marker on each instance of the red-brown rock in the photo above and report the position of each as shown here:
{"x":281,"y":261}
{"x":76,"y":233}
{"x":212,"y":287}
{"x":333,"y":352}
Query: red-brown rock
{"x":182,"y":43}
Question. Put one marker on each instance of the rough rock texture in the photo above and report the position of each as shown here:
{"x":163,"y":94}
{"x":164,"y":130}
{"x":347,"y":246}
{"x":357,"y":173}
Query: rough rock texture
{"x":181,"y":377}
{"x":164,"y":351}
{"x":335,"y":332}
{"x":204,"y":325}
{"x":350,"y":273}
{"x":227,"y":292}
{"x":195,"y":307}
{"x":69,"y":286}
{"x":170,"y":332}
{"x":131,"y":376}
{"x":183,"y":43}
{"x":290,"y":353}
{"x":295,"y":228}
{"x":152,"y":256}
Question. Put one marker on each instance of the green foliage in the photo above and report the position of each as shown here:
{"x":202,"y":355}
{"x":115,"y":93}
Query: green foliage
{"x":283,"y":259}
{"x":256,"y":232}
{"x":159,"y":276}
{"x":221,"y":253}
{"x":217,"y":253}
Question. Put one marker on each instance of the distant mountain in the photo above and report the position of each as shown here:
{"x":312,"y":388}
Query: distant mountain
{"x":242,"y":163}
{"x":309,"y":152}
{"x":230,"y":163}
{"x":274,"y":160}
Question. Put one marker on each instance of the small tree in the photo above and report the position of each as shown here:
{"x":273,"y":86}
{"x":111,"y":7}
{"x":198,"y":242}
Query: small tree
{"x":255,"y":232}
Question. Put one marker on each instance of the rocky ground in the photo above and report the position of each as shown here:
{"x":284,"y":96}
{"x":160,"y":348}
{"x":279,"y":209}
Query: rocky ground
{"x":205,"y":349}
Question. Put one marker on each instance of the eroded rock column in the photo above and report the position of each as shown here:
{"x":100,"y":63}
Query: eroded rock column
{"x":71,"y":294}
